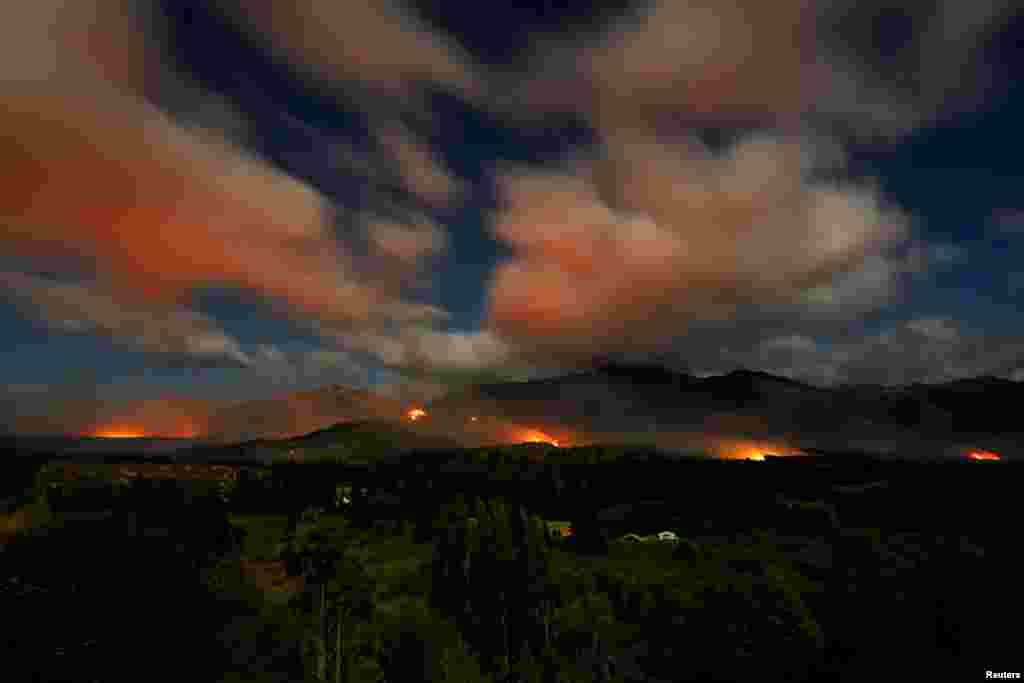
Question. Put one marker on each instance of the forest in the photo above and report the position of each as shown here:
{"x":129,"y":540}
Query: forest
{"x":525,"y":564}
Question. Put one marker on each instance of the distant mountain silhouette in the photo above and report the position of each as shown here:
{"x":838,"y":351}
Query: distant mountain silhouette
{"x":977,"y":405}
{"x":618,"y":398}
{"x":644,"y":374}
{"x":616,"y":401}
{"x":355,"y":441}
{"x":300,"y":413}
{"x":395,"y":435}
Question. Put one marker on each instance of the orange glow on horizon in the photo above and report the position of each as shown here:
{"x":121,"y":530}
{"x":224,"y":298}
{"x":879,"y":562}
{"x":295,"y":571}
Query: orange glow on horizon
{"x":752,"y":450}
{"x":123,"y":431}
{"x":982,"y":455}
{"x":536,"y":436}
{"x":753,"y":453}
{"x":119,"y":433}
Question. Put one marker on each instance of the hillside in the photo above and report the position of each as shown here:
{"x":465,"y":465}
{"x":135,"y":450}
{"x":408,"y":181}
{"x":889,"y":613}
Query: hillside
{"x":365,"y":441}
{"x":622,"y":402}
{"x":611,"y":403}
{"x":300,"y":413}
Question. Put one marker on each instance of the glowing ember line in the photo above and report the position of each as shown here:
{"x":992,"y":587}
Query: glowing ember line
{"x":982,"y":455}
{"x":119,"y":433}
{"x":755,"y":451}
{"x":535,"y":436}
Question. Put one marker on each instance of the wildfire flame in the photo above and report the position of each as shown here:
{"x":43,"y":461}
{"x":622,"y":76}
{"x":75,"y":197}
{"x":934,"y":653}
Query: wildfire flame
{"x":134,"y":431}
{"x":119,"y":433}
{"x":536,"y":436}
{"x":982,"y":455}
{"x":416,"y":414}
{"x":755,"y":451}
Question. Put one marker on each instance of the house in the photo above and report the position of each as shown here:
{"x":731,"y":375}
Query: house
{"x":342,"y":495}
{"x":557,"y":529}
{"x":667,"y":536}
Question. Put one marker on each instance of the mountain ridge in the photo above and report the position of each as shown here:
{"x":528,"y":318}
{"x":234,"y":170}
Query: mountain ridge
{"x":614,"y":400}
{"x":624,"y":398}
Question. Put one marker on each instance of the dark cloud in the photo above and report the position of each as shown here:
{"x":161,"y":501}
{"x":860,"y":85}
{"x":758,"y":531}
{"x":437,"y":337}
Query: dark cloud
{"x":379,"y":44}
{"x":177,"y":336}
{"x":419,"y":169}
{"x":898,"y":67}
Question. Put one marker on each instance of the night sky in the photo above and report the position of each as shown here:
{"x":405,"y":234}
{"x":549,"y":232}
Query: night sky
{"x":225,"y":200}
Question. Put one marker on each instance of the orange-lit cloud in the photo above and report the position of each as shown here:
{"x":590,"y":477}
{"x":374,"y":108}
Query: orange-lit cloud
{"x":108,"y":187}
{"x":658,"y":231}
{"x":111,"y":184}
{"x":673,"y":63}
{"x":377,"y":43}
{"x":200,"y":214}
{"x":657,"y":238}
{"x":407,"y":242}
{"x":741,"y":62}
